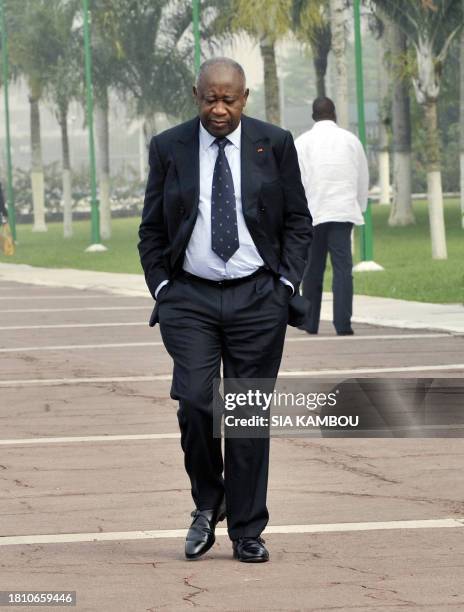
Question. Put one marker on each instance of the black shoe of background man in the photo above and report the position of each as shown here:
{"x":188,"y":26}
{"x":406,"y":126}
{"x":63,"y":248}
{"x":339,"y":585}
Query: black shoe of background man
{"x":250,"y":550}
{"x":348,"y":332}
{"x":200,"y":536}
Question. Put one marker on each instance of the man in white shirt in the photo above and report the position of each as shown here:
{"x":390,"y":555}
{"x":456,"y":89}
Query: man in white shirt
{"x":335,"y":176}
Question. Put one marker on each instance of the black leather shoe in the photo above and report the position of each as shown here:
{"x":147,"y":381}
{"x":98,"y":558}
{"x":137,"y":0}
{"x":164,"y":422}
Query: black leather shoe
{"x":200,"y":536}
{"x":347,"y":332}
{"x":250,"y":550}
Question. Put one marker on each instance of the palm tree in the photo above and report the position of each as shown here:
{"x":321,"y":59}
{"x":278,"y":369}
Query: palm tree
{"x":401,"y":212}
{"x":106,"y":63}
{"x":152,"y":70}
{"x":430,"y":26}
{"x":63,"y":85}
{"x":266,"y":21}
{"x":31,"y":55}
{"x":102,"y":132}
{"x":380,"y":27}
{"x":311,"y":25}
{"x":384,"y":85}
{"x":338,"y":27}
{"x":37,"y":173}
{"x":135,"y":55}
{"x":321,"y":42}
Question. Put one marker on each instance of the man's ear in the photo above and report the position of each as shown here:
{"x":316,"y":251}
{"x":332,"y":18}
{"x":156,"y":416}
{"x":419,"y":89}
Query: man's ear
{"x":245,"y":95}
{"x":195,"y":93}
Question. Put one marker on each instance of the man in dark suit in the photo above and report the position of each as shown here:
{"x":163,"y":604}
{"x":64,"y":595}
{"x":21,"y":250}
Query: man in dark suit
{"x":223,"y":242}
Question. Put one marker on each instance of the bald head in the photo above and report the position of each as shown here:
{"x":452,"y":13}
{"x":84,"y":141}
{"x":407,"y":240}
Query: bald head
{"x":324,"y":109}
{"x":220,"y":64}
{"x":221,"y":95}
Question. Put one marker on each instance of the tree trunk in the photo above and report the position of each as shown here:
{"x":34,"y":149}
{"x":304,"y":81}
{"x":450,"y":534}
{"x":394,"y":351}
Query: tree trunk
{"x":337,"y":22}
{"x":66,"y":173}
{"x":149,"y":127}
{"x":461,"y":113}
{"x":271,"y":82}
{"x":384,"y":170}
{"x":320,"y":47}
{"x":434,"y":187}
{"x":103,"y":149}
{"x":401,"y":211}
{"x":143,"y":152}
{"x":320,"y":80}
{"x":384,"y":121}
{"x":37,"y":175}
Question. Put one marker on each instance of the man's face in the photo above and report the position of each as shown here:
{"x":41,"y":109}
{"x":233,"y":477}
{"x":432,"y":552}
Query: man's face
{"x":221,"y":97}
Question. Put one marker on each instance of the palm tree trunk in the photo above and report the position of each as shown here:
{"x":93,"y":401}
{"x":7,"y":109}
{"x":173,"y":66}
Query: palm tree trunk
{"x":320,"y":47}
{"x":461,"y":113}
{"x":337,"y":22}
{"x":66,"y":173}
{"x":143,"y":152}
{"x":149,"y":127}
{"x":37,"y":175}
{"x":434,"y":187}
{"x":384,"y":167}
{"x":103,"y":148}
{"x":271,"y":81}
{"x":401,"y":211}
{"x":320,"y":80}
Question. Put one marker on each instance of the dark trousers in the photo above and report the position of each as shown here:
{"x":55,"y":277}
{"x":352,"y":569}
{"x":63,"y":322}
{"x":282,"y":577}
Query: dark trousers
{"x":244,"y":327}
{"x":333,"y":238}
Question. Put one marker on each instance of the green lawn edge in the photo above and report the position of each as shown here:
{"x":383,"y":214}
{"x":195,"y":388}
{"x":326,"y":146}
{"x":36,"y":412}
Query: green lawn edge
{"x":405,"y":253}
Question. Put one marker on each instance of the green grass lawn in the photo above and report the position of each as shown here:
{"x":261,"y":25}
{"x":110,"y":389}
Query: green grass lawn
{"x":405,"y":253}
{"x":49,"y":249}
{"x":410,"y":273}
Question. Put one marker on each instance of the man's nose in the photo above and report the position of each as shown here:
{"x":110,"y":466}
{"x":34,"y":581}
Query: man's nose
{"x":219,"y":108}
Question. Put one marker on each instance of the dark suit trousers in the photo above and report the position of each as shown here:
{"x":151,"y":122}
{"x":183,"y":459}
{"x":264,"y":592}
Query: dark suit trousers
{"x":244,"y":327}
{"x":333,"y":238}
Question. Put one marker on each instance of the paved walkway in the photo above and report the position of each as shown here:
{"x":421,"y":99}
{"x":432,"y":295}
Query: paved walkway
{"x":372,"y":310}
{"x":95,"y":498}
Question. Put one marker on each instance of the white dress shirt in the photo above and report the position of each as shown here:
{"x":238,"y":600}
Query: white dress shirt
{"x":334,"y":172}
{"x":200,"y":259}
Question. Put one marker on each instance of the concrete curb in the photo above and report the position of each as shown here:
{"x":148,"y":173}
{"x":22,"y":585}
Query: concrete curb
{"x":385,"y":312}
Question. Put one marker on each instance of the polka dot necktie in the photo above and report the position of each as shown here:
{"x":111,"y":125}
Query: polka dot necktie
{"x":224,"y":231}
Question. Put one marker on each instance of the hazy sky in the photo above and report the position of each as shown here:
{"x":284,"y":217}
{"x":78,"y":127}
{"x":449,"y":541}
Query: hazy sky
{"x":247,"y":54}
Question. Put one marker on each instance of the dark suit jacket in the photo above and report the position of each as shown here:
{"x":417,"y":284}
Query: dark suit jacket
{"x":273,"y":201}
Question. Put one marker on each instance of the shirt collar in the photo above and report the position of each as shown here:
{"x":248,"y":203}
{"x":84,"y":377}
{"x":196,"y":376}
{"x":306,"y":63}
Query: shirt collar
{"x":325,"y":123}
{"x":207,"y":139}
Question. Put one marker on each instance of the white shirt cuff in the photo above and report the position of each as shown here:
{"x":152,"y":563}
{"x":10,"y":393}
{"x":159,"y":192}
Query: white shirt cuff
{"x":288,"y":283}
{"x":160,"y":286}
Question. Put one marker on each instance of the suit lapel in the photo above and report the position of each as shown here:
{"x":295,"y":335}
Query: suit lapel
{"x":186,"y":153}
{"x":253,"y":150}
